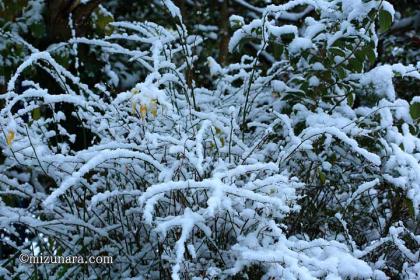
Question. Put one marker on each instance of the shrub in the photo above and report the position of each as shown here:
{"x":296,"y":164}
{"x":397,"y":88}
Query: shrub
{"x":298,"y":160}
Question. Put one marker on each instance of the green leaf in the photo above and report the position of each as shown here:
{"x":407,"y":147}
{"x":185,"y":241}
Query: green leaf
{"x":322,"y":176}
{"x":350,"y":99}
{"x":36,"y":114}
{"x":38,"y":29}
{"x":360,"y":55}
{"x":371,"y":55}
{"x":341,"y":72}
{"x":287,"y":37}
{"x":102,"y":23}
{"x":337,"y":52}
{"x":415,"y":110}
{"x":385,"y":20}
{"x":277,"y":50}
{"x":327,"y":76}
{"x":355,"y":65}
{"x":367,"y":52}
{"x":410,"y":207}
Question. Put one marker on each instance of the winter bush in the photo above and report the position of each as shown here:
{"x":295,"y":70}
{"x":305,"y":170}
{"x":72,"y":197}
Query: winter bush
{"x":297,"y":161}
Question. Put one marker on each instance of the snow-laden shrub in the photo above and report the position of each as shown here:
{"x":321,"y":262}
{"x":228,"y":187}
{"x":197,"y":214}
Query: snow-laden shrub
{"x":305,"y":169}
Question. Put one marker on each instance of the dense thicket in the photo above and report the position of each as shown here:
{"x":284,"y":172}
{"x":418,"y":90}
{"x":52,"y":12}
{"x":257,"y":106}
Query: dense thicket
{"x":210,"y":139}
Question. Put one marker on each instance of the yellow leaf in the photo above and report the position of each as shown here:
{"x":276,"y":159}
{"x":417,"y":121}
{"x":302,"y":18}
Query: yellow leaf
{"x":143,"y":111}
{"x":36,"y":114}
{"x":154,"y":108}
{"x":10,"y":136}
{"x":322,"y":176}
{"x":134,"y":91}
{"x":133,"y":107}
{"x":222,"y":140}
